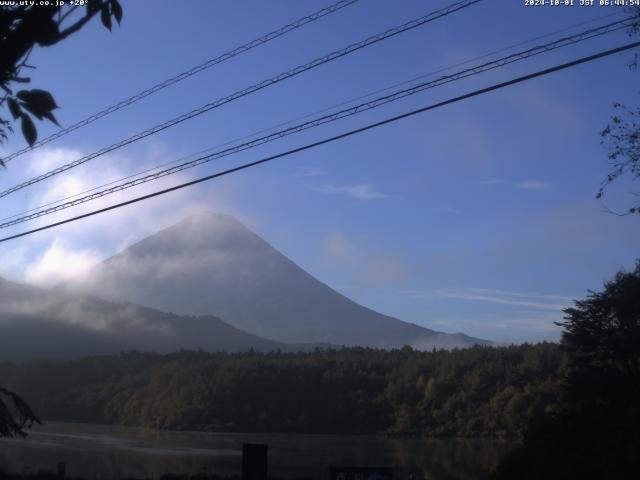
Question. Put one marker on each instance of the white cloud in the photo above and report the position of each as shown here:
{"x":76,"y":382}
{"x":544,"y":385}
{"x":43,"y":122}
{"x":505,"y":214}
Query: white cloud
{"x":46,"y":159}
{"x":359,"y":192}
{"x":515,"y":327}
{"x":59,"y":263}
{"x":531,"y":300}
{"x":13,"y":260}
{"x":53,"y":255}
{"x":521,"y":185}
{"x":63,"y":187}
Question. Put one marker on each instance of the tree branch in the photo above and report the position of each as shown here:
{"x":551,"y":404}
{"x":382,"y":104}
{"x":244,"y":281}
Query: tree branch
{"x":78,"y":25}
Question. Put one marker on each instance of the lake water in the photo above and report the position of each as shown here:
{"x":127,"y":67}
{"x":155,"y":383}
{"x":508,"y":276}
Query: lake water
{"x":99,"y":451}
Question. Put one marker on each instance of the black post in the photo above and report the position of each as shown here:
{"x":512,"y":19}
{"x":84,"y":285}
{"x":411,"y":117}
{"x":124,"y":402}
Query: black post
{"x":62,"y":469}
{"x":254,"y":461}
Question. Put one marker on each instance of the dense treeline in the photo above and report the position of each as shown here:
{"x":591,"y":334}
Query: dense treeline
{"x":594,"y":431}
{"x":475,"y":392}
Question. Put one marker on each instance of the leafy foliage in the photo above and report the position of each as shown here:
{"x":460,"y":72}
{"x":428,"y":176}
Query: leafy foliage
{"x":622,"y":136}
{"x":15,"y":415}
{"x":23,"y":27}
{"x":482,"y":391}
{"x":634,"y":29}
{"x":602,"y":338}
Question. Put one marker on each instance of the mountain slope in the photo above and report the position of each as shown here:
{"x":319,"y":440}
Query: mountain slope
{"x":212,"y":265}
{"x":39,"y":323}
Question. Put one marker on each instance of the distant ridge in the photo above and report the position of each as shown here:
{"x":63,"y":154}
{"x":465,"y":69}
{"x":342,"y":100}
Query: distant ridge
{"x":40,"y":323}
{"x":211,"y":264}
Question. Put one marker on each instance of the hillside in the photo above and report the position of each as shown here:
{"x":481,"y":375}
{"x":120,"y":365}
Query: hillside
{"x":40,"y":323}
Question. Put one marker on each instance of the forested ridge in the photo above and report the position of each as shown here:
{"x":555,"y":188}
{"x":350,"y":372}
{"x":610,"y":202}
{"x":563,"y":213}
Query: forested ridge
{"x":475,"y":392}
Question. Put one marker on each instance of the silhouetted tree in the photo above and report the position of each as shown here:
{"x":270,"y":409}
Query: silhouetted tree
{"x":23,"y":27}
{"x":622,"y":135}
{"x":15,"y":414}
{"x":595,"y":432}
{"x":602,"y":338}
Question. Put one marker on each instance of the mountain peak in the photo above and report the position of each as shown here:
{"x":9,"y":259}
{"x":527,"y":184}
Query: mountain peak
{"x":205,"y":224}
{"x":211,"y":219}
{"x":211,"y":264}
{"x":198,"y":234}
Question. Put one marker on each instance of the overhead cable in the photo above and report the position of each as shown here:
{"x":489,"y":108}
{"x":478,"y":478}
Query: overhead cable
{"x":333,"y":138}
{"x":347,"y":112}
{"x":186,"y":74}
{"x":249,"y":90}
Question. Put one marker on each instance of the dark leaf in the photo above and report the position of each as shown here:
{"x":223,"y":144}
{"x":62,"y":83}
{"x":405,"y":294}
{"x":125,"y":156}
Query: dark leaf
{"x":93,"y":5}
{"x":41,"y":100}
{"x":49,"y":116}
{"x":29,"y":129}
{"x":46,"y":32}
{"x":105,"y":16}
{"x":14,"y":108}
{"x":116,"y":9}
{"x":35,"y":111}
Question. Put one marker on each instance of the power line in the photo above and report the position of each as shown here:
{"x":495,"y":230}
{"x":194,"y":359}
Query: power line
{"x":501,"y":62}
{"x":252,"y":89}
{"x":189,"y":73}
{"x":336,"y":137}
{"x":354,"y":110}
{"x":308,"y":115}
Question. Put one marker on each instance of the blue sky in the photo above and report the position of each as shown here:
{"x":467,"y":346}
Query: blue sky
{"x":479,"y":217}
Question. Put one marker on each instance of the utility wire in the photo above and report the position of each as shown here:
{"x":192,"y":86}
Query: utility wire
{"x":563,"y":42}
{"x":323,"y":110}
{"x":252,"y":89}
{"x":341,"y":136}
{"x":189,"y":73}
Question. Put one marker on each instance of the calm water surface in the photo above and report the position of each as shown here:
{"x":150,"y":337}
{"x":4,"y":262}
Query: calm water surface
{"x":99,"y":451}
